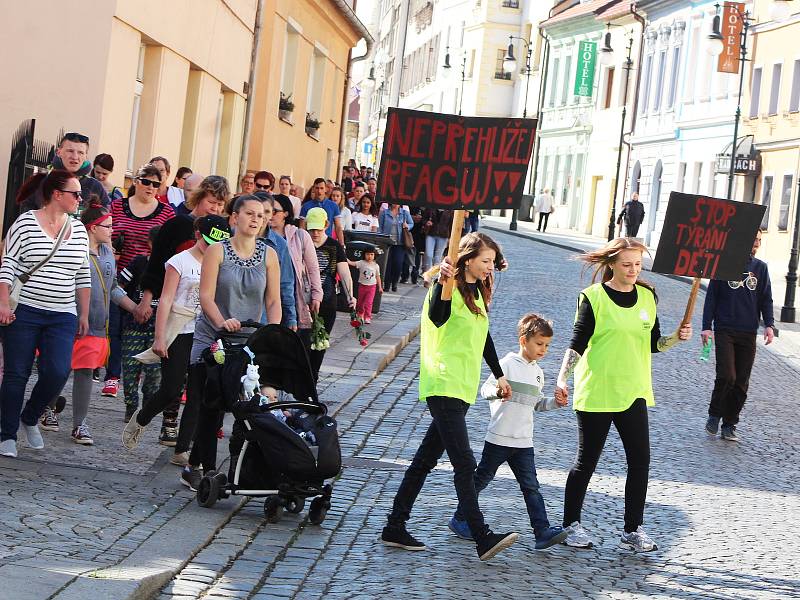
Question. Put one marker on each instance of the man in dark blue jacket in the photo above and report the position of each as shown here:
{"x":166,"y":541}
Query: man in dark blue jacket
{"x":734,"y":308}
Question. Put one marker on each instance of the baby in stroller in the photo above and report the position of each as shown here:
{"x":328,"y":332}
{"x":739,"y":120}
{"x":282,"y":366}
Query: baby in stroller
{"x":296,"y":419}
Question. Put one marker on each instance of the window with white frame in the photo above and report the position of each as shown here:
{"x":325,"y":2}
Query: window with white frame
{"x":608,"y":87}
{"x":672,"y":92}
{"x":316,"y":85}
{"x":648,"y":68}
{"x":565,"y":82}
{"x":499,"y":71}
{"x":698,"y":177}
{"x":766,"y":196}
{"x":554,"y":82}
{"x":661,"y":71}
{"x":137,"y":103}
{"x":680,"y":180}
{"x":755,"y":92}
{"x":794,"y":98}
{"x":786,"y":198}
{"x":775,"y":88}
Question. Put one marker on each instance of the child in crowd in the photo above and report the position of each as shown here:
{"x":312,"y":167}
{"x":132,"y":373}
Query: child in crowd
{"x":369,"y":280}
{"x":510,"y":435}
{"x":138,"y":337}
{"x":294,"y":418}
{"x":91,"y":351}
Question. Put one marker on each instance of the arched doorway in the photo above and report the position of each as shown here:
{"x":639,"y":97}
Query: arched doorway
{"x":655,"y":193}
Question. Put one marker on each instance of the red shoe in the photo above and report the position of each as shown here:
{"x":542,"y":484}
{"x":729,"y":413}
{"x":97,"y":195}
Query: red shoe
{"x":111,"y":388}
{"x":183,"y":397}
{"x":220,"y":435}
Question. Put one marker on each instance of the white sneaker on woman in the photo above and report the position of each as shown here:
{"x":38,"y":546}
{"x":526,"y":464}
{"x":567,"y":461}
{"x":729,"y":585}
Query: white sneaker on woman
{"x":577,"y":536}
{"x":35,"y":439}
{"x":638,"y":541}
{"x":8,"y":448}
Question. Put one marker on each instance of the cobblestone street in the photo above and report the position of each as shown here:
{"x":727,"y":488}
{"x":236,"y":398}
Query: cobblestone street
{"x":721,"y":513}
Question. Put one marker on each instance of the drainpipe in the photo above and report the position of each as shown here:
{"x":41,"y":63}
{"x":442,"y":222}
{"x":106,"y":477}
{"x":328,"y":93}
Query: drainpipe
{"x":251,"y":87}
{"x":635,"y":107}
{"x":540,"y":104}
{"x":352,"y":18}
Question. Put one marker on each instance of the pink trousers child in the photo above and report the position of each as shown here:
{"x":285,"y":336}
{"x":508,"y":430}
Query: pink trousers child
{"x":366,"y":295}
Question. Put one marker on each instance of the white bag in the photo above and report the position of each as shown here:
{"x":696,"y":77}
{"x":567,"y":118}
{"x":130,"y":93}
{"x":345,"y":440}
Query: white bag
{"x":178,"y":317}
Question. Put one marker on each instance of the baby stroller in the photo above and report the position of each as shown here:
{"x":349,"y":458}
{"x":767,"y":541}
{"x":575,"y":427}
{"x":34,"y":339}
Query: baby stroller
{"x":269,"y":459}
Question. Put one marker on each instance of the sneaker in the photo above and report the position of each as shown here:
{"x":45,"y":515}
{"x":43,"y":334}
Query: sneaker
{"x":81,"y":435}
{"x":132,"y":433}
{"x":638,"y":541}
{"x":577,"y":536}
{"x":181,"y":459}
{"x":96,"y":375}
{"x":168,"y":436}
{"x":110,"y":388}
{"x":398,"y":537}
{"x":35,"y":439}
{"x":460,"y":528}
{"x":367,"y":321}
{"x":712,"y":425}
{"x":8,"y":448}
{"x":49,"y":421}
{"x":492,"y":543}
{"x":729,"y":433}
{"x":550,"y":537}
{"x":190,"y":477}
{"x":61,"y":402}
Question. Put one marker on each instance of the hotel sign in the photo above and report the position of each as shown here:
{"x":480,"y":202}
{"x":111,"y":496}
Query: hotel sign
{"x":731,"y":29}
{"x":584,"y":76}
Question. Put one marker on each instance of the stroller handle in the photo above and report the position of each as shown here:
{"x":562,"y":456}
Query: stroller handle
{"x":247,"y":324}
{"x":321,"y":408}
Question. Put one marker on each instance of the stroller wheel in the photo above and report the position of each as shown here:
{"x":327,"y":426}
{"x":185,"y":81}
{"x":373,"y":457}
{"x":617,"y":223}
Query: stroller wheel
{"x":208,"y":491}
{"x":318,"y":510}
{"x":295,"y":505}
{"x":273,"y":510}
{"x":222,"y":481}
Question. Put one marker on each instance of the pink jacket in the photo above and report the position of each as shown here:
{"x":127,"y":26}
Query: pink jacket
{"x":306,"y":267}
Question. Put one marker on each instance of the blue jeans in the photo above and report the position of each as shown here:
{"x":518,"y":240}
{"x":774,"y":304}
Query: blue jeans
{"x":521,"y":461}
{"x":53,"y":333}
{"x":447,"y":432}
{"x":435,"y":249}
{"x":394,"y":265}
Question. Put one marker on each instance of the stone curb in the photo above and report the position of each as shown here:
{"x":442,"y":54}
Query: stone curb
{"x":159,"y":558}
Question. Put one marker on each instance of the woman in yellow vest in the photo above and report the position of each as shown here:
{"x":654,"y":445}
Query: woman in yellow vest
{"x":454,"y":336}
{"x":616,"y":330}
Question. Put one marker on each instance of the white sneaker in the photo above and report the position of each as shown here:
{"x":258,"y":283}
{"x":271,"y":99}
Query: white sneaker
{"x":132,"y":432}
{"x":577,"y":536}
{"x":638,"y":541}
{"x":8,"y":448}
{"x":35,"y":439}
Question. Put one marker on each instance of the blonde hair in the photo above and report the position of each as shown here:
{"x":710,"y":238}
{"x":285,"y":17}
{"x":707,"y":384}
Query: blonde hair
{"x":600,"y":260}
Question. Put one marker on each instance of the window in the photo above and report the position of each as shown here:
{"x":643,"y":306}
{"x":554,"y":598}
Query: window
{"x":698,"y":176}
{"x":755,"y":92}
{"x":766,"y":195}
{"x":499,"y":72}
{"x":648,"y":67}
{"x":316,"y":85}
{"x":217,"y":135}
{"x":680,"y":179}
{"x":775,"y":89}
{"x":566,"y":81}
{"x":794,"y":99}
{"x":289,"y":61}
{"x":137,"y":103}
{"x":659,"y":91}
{"x":673,"y":78}
{"x":609,"y":87}
{"x":786,"y":198}
{"x":554,"y":81}
{"x":510,"y":3}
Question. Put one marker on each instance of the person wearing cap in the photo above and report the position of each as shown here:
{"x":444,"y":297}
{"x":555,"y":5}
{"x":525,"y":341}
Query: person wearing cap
{"x":179,"y":307}
{"x":332,"y":261}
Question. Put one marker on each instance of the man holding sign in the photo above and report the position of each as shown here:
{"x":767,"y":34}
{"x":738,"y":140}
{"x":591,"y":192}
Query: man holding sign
{"x":734,"y":309}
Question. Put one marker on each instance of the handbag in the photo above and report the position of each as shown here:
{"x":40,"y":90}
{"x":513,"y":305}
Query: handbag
{"x":22,"y":279}
{"x":408,"y":239}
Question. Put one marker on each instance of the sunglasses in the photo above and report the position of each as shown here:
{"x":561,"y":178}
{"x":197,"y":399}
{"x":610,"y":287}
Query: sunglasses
{"x":150,"y":182}
{"x":76,"y":194}
{"x":261,"y":186}
{"x":76,"y":137}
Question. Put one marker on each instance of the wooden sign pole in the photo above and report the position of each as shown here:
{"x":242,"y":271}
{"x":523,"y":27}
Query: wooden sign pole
{"x":452,"y":250}
{"x":687,"y":316}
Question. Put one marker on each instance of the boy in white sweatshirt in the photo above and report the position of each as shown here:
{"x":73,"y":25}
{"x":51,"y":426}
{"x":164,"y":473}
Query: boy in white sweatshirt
{"x":510,"y":435}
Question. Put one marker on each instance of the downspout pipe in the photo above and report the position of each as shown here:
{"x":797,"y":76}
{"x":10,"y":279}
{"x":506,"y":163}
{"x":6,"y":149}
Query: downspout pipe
{"x":251,"y":88}
{"x":635,"y":108}
{"x":540,"y":104}
{"x":352,"y":18}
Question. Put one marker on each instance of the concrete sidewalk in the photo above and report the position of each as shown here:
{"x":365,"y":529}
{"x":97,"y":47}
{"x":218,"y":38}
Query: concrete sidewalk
{"x":787,"y":345}
{"x":106,"y":523}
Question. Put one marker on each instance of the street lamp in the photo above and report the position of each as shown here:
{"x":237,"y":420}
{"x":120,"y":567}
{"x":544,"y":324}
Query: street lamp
{"x":715,"y":47}
{"x":607,"y":58}
{"x":788,"y":310}
{"x":509,"y":66}
{"x":371,"y":83}
{"x":448,"y":71}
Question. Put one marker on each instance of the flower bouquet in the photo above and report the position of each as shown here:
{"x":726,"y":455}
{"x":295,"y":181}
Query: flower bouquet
{"x":358,"y":324}
{"x":320,"y":340}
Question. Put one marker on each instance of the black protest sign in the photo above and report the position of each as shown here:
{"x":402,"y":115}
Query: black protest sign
{"x":707,"y":237}
{"x":454,"y":162}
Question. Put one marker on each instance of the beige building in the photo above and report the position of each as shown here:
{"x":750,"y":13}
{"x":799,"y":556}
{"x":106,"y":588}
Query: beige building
{"x":150,"y":77}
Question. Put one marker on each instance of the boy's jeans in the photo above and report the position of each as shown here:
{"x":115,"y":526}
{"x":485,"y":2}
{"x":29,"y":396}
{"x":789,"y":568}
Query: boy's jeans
{"x":521,"y":461}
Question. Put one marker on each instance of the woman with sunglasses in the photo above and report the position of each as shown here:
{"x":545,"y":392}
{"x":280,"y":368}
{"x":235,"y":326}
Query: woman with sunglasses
{"x":47,"y":316}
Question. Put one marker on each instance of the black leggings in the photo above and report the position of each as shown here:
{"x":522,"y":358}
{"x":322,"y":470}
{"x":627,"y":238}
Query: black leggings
{"x":173,"y":375}
{"x":327,"y":310}
{"x":593,"y":429}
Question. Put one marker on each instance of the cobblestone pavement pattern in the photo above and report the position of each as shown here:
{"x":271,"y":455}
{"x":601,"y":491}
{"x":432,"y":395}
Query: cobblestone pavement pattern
{"x":722,"y":513}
